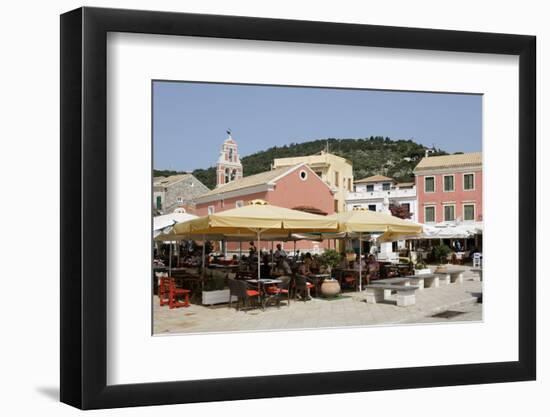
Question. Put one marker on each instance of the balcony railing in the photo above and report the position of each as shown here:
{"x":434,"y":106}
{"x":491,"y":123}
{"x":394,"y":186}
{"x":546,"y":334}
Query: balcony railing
{"x":407,"y":192}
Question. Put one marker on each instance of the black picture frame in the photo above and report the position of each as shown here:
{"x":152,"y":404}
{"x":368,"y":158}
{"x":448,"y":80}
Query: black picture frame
{"x":84,"y":207}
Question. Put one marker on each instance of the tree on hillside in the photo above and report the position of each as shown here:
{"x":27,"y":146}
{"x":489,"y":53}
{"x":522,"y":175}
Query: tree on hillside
{"x":369,"y":156}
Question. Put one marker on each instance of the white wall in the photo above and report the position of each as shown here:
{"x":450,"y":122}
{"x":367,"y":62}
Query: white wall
{"x":30,"y":152}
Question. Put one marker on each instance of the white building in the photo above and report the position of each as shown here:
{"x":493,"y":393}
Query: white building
{"x":378,"y":192}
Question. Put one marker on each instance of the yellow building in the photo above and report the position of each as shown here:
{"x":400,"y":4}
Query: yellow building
{"x":336,"y":171}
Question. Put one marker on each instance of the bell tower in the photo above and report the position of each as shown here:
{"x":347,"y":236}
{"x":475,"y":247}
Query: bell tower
{"x":229,"y":167}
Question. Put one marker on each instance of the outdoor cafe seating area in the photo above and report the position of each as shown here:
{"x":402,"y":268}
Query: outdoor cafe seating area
{"x":235,"y":281}
{"x":187,"y":270}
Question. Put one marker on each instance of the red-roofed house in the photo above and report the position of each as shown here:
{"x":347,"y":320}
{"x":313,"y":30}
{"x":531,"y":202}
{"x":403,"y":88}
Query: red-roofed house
{"x":292,"y":187}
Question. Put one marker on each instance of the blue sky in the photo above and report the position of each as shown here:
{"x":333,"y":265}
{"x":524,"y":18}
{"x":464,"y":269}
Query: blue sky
{"x":190,"y":119}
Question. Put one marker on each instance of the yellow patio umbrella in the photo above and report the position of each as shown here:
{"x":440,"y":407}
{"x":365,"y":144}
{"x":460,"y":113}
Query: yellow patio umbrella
{"x":254,"y":217}
{"x":367,"y":221}
{"x":258,"y":218}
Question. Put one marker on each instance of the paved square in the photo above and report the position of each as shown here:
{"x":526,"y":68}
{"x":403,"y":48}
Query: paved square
{"x":349,"y":310}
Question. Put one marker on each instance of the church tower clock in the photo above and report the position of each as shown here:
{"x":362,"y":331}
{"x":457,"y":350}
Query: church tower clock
{"x":229,"y":167}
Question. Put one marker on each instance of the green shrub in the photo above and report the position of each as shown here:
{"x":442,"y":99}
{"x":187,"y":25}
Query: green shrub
{"x":330,"y":257}
{"x":440,"y":253}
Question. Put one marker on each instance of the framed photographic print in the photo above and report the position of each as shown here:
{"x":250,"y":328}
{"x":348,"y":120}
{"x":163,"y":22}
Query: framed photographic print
{"x":259,"y":208}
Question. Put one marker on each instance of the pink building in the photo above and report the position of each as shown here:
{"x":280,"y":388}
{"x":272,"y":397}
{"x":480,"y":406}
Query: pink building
{"x":289,"y":187}
{"x":295,"y":187}
{"x":450,"y":188}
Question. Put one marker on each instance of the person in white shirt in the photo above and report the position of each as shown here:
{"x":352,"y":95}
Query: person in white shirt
{"x":280,"y":253}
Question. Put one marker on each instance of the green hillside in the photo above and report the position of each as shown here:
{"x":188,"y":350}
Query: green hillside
{"x":370,"y":156}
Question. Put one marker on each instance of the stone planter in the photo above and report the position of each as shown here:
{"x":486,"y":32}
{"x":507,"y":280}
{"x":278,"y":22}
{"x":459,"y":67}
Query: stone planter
{"x":216,"y":297}
{"x":330,"y":288}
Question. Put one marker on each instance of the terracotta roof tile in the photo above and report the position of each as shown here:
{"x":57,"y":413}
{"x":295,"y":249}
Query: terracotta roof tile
{"x":374,"y":178}
{"x":450,"y":161}
{"x":250,"y":181}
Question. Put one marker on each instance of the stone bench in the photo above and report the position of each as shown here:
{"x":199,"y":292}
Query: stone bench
{"x":423,"y":280}
{"x":451,"y":276}
{"x":392,"y":281}
{"x":405,"y":293}
{"x":478,"y":272}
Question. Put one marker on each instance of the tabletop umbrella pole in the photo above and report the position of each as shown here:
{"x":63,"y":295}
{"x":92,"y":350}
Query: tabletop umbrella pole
{"x":258,"y":253}
{"x":170,"y":261}
{"x":258,"y":256}
{"x":360,"y":264}
{"x":203,"y":272}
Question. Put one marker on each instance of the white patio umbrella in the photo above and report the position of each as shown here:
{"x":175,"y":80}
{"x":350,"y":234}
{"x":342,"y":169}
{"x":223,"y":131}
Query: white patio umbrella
{"x":163,"y":224}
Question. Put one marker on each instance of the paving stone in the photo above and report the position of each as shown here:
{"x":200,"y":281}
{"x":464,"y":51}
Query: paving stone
{"x":320,"y":313}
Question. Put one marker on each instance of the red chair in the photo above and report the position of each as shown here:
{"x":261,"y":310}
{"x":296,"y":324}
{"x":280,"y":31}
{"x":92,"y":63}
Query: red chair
{"x":175,"y":292}
{"x":350,"y":281}
{"x":243,"y":293}
{"x":281,"y":291}
{"x":164,"y":290}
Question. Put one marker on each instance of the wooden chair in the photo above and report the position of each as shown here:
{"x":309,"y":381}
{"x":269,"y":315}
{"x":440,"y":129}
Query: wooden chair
{"x":175,"y":292}
{"x":164,"y":289}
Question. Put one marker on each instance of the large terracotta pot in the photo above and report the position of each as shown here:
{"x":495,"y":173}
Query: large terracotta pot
{"x":330,"y":288}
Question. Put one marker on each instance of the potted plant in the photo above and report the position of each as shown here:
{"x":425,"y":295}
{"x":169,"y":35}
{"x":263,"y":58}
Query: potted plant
{"x":329,"y":259}
{"x":440,"y":253}
{"x":350,"y":255}
{"x":421,"y":268}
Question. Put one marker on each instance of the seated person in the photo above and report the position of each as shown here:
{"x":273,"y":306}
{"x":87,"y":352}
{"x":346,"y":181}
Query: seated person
{"x":307,"y":259}
{"x":265,"y":269}
{"x":373,"y":268}
{"x":303,"y":269}
{"x":314,"y":265}
{"x":360,"y":262}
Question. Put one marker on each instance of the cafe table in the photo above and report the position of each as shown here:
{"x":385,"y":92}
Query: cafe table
{"x":222,"y":266}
